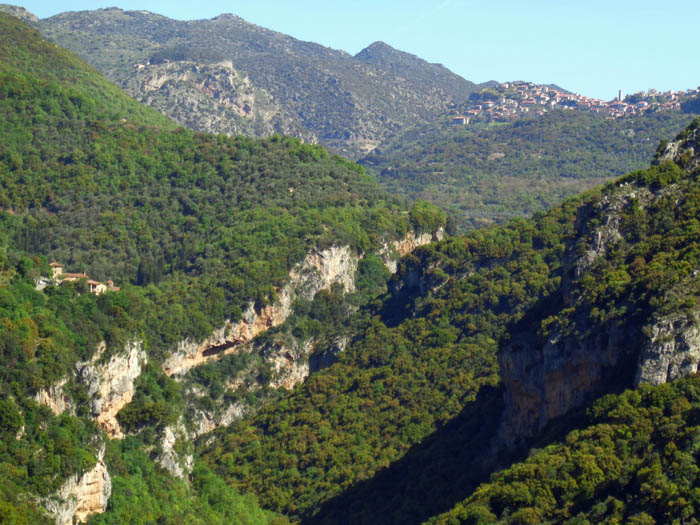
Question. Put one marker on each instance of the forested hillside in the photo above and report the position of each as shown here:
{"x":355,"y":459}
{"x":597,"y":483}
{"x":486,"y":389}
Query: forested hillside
{"x":486,"y":173}
{"x":483,"y":340}
{"x":634,"y":461}
{"x":195,"y":229}
{"x":259,"y":365}
{"x":391,"y":109}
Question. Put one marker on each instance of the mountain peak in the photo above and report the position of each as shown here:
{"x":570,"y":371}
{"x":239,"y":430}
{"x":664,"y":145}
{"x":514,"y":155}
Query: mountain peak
{"x":381,"y":51}
{"x":226,"y":16}
{"x":378,"y":46}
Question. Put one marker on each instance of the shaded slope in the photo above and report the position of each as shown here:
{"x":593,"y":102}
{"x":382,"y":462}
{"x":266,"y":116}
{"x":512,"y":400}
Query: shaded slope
{"x":634,"y":461}
{"x":574,"y":303}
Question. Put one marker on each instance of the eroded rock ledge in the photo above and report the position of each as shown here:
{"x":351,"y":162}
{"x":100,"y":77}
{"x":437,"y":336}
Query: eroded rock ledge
{"x":109,"y":384}
{"x":319,"y":270}
{"x":81,"y":496}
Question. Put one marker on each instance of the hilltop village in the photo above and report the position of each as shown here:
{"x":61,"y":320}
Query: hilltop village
{"x":511,"y":100}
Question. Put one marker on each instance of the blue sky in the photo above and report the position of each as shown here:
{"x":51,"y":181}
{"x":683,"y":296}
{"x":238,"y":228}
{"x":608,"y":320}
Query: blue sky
{"x":590,"y":47}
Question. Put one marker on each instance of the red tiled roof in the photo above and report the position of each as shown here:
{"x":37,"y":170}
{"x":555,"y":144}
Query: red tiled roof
{"x":56,"y":265}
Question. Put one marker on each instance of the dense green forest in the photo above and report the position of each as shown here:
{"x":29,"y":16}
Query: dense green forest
{"x":485,"y":173}
{"x":193,"y":227}
{"x":412,"y":420}
{"x":634,"y":461}
{"x":202,"y":223}
{"x":351,"y":442}
{"x":420,"y":360}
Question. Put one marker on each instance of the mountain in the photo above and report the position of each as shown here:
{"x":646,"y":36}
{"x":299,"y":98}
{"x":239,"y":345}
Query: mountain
{"x":488,"y":344}
{"x":484,"y":173}
{"x":425,"y":77}
{"x":349,"y":104}
{"x":390,"y":110}
{"x":257,"y":361}
{"x":191,"y":244}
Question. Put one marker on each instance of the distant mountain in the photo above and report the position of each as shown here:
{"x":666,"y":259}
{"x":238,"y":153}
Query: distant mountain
{"x":19,"y":12}
{"x":184,"y":68}
{"x":426,"y":76}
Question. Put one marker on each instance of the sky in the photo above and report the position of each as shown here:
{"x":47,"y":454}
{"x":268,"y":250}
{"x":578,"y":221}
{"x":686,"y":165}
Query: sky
{"x":590,"y":47}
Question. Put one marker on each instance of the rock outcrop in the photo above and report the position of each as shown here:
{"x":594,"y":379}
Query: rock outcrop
{"x":205,"y":421}
{"x":211,"y":97}
{"x":672,"y":351}
{"x":55,"y":398}
{"x":684,"y":150}
{"x":19,"y":12}
{"x":111,"y":384}
{"x":319,"y":270}
{"x":290,"y":363}
{"x":179,"y":465}
{"x":391,"y":252}
{"x":545,"y":381}
{"x":81,"y":496}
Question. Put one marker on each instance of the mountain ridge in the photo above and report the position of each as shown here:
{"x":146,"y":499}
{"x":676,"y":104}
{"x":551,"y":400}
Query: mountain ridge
{"x":345,"y":103}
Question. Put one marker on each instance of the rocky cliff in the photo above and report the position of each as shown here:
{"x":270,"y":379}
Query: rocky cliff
{"x":672,"y":350}
{"x":55,"y":398}
{"x":178,"y":462}
{"x":583,"y":353}
{"x":111,"y":384}
{"x":544,"y":381}
{"x":391,"y":252}
{"x":319,"y":270}
{"x":81,"y":496}
{"x":210,"y":97}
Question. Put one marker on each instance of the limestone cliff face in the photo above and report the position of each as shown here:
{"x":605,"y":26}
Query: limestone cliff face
{"x":207,"y":420}
{"x":179,"y":465}
{"x":210,"y":97}
{"x":111,"y":384}
{"x":290,"y":360}
{"x":391,"y":252}
{"x":544,"y":381}
{"x":319,"y":270}
{"x":82,"y":496}
{"x":672,"y":351}
{"x":322,"y":268}
{"x":547,"y":377}
{"x":290,"y":363}
{"x":229,"y":337}
{"x":55,"y":398}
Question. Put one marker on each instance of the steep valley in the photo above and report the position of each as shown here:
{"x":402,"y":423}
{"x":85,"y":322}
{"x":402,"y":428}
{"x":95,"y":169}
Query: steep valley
{"x":288,"y":342}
